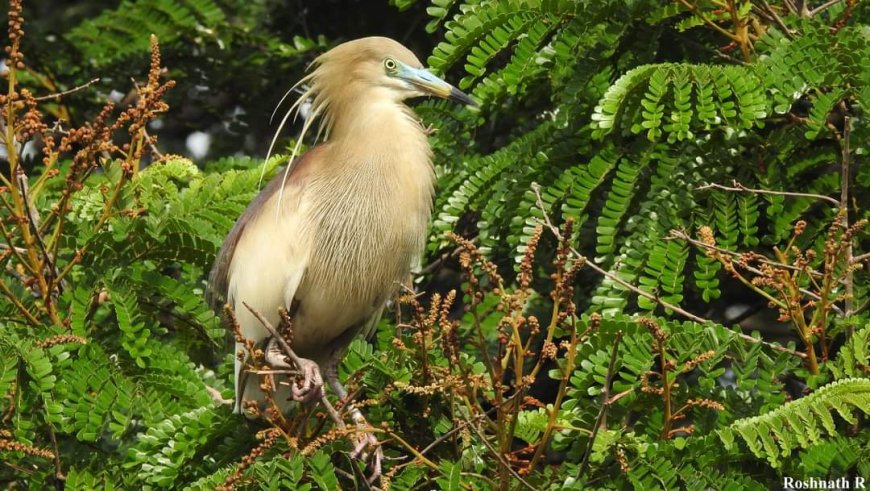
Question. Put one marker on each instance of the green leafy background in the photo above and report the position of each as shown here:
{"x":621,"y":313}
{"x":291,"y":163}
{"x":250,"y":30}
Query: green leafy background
{"x":617,"y":111}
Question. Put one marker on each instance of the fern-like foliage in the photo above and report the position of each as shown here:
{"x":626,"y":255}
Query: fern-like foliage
{"x":614,"y":115}
{"x":116,"y":34}
{"x":702,"y":120}
{"x":801,"y":423}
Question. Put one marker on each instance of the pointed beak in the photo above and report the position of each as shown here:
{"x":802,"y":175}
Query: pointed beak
{"x":430,"y":84}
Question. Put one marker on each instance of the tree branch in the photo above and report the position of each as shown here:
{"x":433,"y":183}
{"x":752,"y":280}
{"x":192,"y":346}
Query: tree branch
{"x":500,"y":457}
{"x":823,"y":7}
{"x":740,"y":188}
{"x":679,"y":234}
{"x":605,"y":403}
{"x":58,"y":95}
{"x":845,"y":178}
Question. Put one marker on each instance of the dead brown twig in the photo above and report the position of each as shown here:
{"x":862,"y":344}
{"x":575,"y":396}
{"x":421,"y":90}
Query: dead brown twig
{"x":73,"y":90}
{"x":605,"y":404}
{"x":736,"y":187}
{"x":682,"y":235}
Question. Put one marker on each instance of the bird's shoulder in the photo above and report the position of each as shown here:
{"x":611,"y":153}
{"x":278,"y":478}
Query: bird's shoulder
{"x":300,"y":171}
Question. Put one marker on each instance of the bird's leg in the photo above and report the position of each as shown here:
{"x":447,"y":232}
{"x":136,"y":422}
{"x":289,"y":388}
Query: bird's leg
{"x":306,"y":389}
{"x":367,"y":442}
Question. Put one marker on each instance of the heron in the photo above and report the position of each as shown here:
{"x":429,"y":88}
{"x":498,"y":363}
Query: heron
{"x":333,"y":236}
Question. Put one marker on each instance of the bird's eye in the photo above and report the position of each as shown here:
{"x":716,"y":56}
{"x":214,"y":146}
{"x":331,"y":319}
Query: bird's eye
{"x":390,"y":65}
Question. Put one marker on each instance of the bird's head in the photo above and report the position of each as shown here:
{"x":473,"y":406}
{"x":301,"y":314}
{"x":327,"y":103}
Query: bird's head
{"x":383,"y":65}
{"x":349,"y":79}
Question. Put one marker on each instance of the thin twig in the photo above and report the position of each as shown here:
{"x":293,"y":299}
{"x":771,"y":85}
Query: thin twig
{"x":438,"y":262}
{"x":823,"y":7}
{"x":713,"y":51}
{"x":860,"y":258}
{"x":605,"y":403}
{"x":217,"y":397}
{"x":740,"y":188}
{"x":33,"y":219}
{"x":845,"y":178}
{"x":466,"y":422}
{"x":19,"y":250}
{"x":296,"y":360}
{"x":694,"y":9}
{"x":58,"y":466}
{"x":679,"y":234}
{"x":58,"y":95}
{"x":17,"y":303}
{"x":274,"y":372}
{"x":616,"y":279}
{"x":682,"y":235}
{"x":500,"y":458}
{"x":771,"y":12}
{"x":151,"y":144}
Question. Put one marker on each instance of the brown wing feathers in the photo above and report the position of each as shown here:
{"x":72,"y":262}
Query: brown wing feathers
{"x":218,"y":279}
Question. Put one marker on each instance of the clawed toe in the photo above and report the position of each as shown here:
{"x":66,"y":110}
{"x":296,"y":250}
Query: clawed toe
{"x":275,"y":356}
{"x":309,"y":387}
{"x":369,"y":450}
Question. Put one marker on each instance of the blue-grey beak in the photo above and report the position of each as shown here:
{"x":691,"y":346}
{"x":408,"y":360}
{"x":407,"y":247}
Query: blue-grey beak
{"x":424,"y":80}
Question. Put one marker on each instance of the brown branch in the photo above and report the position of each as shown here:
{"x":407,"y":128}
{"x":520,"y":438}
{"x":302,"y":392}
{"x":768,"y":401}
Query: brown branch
{"x":682,"y":235}
{"x":288,"y":351}
{"x":694,"y":9}
{"x":772,"y":14}
{"x":151,"y":144}
{"x":679,"y":234}
{"x":536,"y":188}
{"x":104,"y":217}
{"x":740,"y":188}
{"x":741,"y":30}
{"x":605,"y":403}
{"x":845,"y":177}
{"x":11,"y":249}
{"x":500,"y":457}
{"x":58,"y":466}
{"x":432,"y":266}
{"x":821,"y":8}
{"x":16,"y":251}
{"x":58,"y":95}
{"x":17,"y":303}
{"x":33,"y":219}
{"x":464,"y":423}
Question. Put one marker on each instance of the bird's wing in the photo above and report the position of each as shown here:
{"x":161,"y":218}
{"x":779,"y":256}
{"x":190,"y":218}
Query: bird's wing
{"x":218,"y":280}
{"x":224,"y":276}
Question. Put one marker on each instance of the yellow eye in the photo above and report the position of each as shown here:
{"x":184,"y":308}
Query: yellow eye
{"x":390,"y":65}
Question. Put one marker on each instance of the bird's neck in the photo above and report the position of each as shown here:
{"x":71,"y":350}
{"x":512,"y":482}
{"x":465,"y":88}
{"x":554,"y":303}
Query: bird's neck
{"x":364,"y":113}
{"x":380,"y":143}
{"x":382,"y":129}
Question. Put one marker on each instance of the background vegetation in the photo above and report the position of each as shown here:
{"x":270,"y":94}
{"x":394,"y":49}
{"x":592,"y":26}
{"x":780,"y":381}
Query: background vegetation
{"x":645,"y":268}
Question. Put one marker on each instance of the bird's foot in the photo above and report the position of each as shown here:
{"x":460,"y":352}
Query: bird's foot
{"x":308,"y":386}
{"x":368,"y":449}
{"x":429,"y":130}
{"x":275,"y":356}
